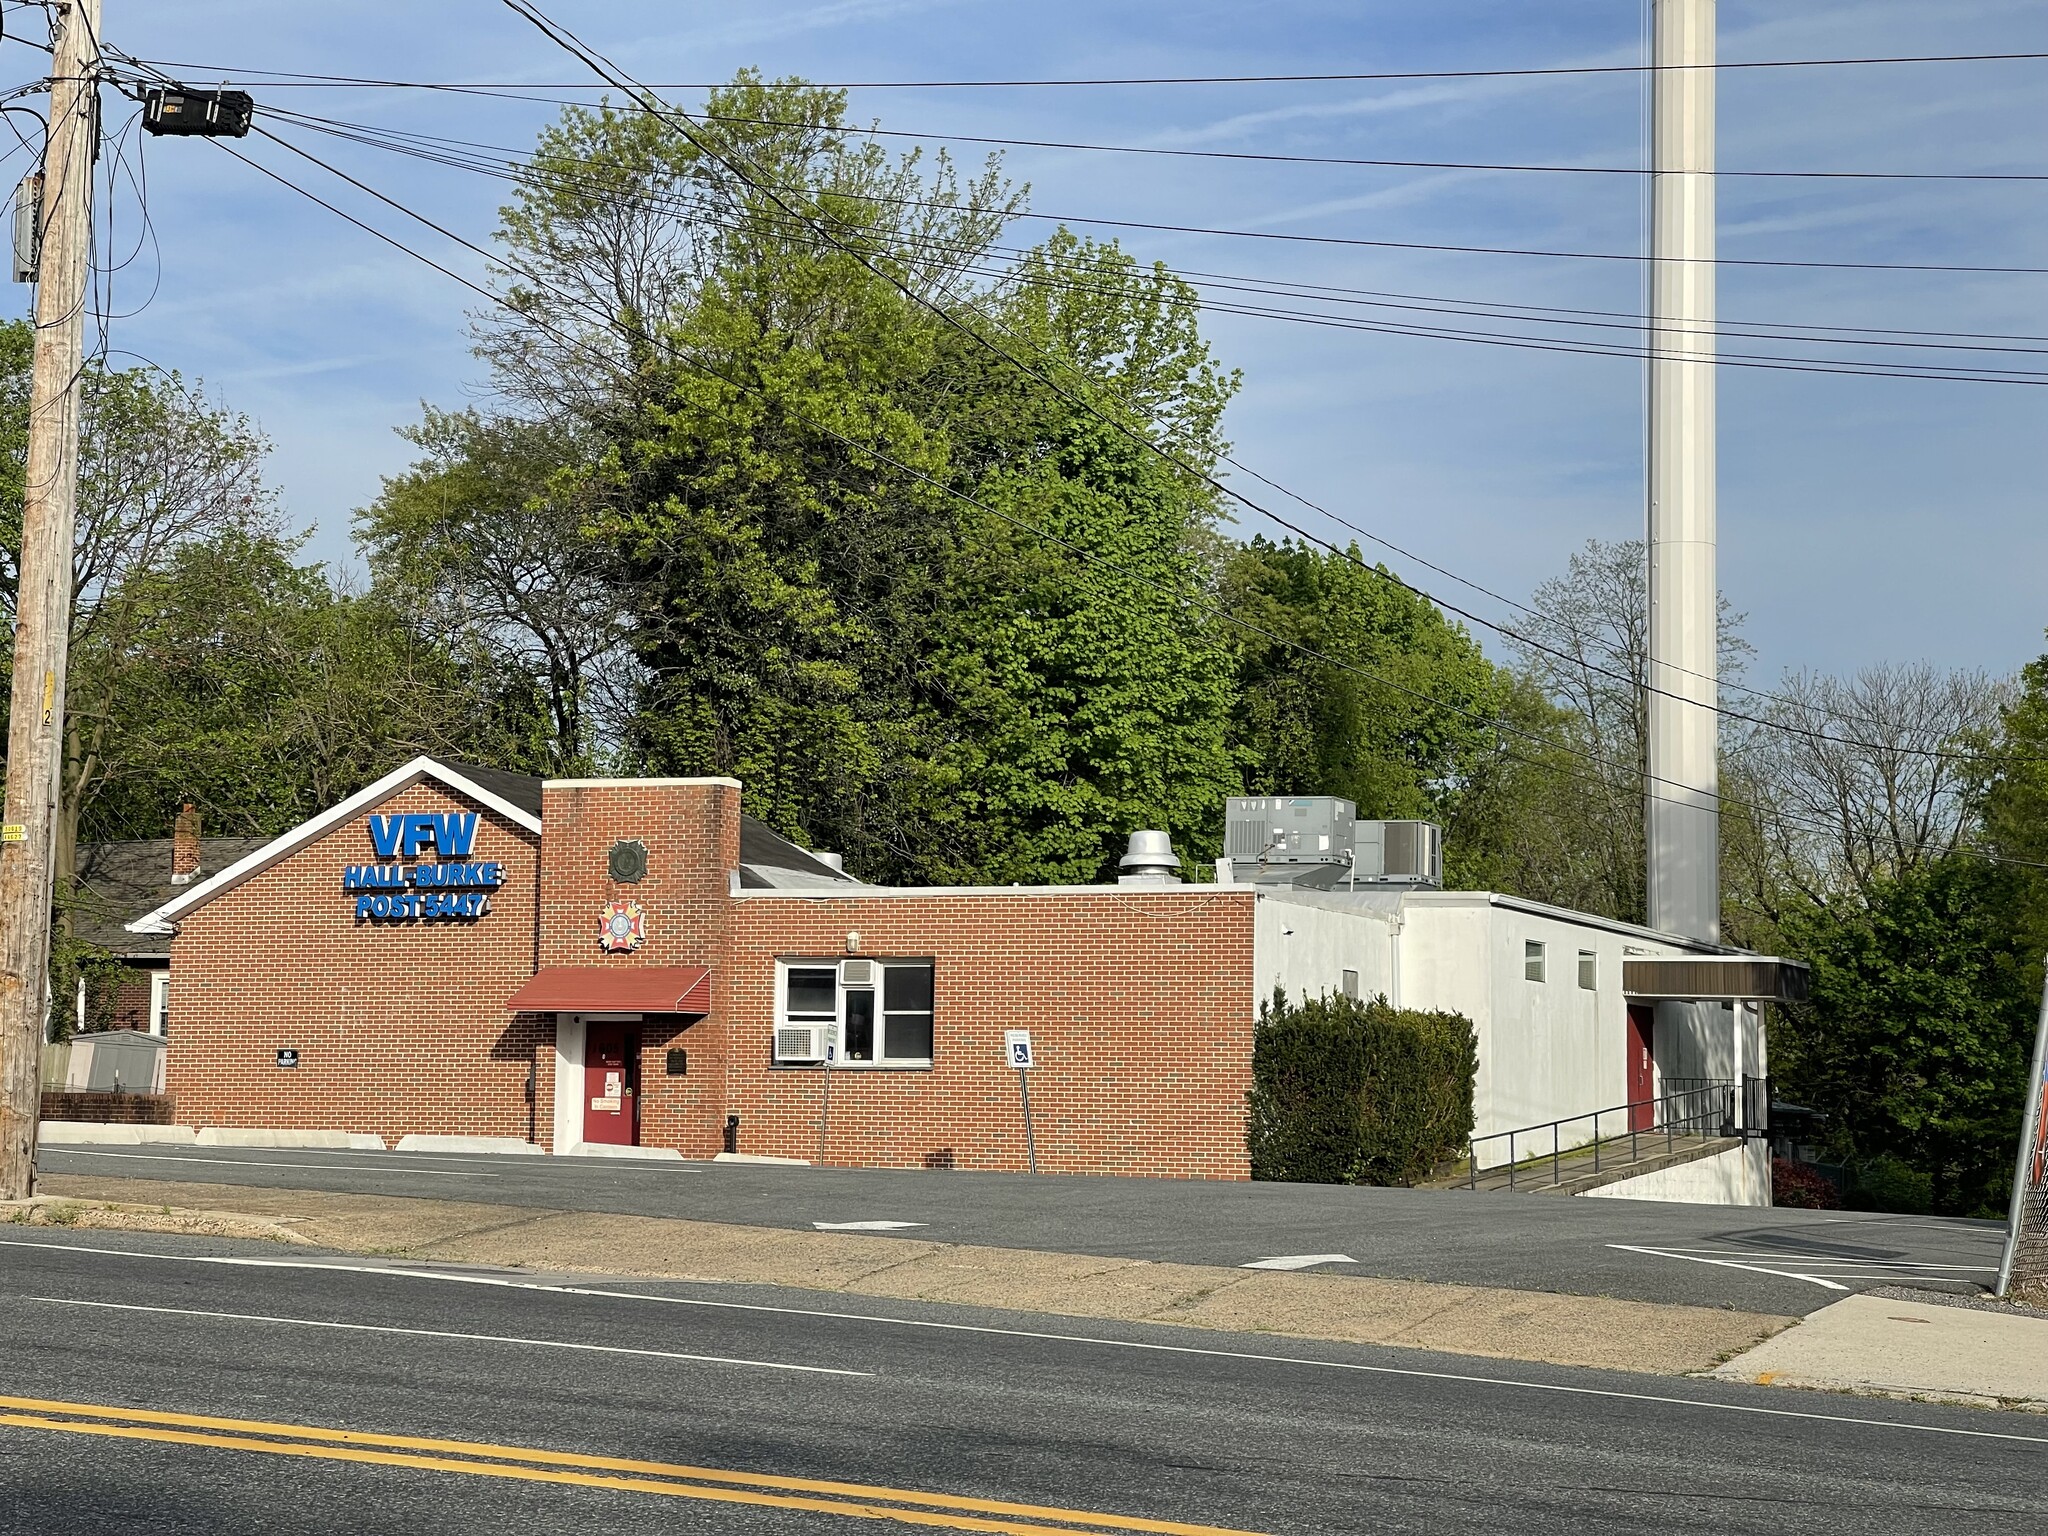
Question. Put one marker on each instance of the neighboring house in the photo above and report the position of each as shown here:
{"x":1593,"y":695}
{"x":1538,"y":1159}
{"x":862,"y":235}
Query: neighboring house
{"x":119,"y":882}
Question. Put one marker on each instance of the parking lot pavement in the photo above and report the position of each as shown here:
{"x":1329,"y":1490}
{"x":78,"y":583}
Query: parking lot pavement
{"x":1762,"y":1260}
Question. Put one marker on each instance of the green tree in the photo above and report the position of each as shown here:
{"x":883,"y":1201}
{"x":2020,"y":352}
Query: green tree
{"x":260,"y":691}
{"x":1916,"y":1038}
{"x":1366,"y":689}
{"x":487,"y":542}
{"x":2015,"y":801}
{"x":160,"y":471}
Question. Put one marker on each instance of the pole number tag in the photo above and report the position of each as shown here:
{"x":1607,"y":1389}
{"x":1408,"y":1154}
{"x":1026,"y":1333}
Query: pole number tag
{"x":1017,"y":1048}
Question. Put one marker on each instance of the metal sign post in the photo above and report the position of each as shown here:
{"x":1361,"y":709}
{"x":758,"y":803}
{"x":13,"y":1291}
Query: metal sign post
{"x":2026,"y":1233}
{"x":825,"y":1109}
{"x":1017,"y":1052}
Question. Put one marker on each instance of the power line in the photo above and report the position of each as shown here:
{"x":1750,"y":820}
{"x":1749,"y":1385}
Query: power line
{"x":1514,"y":635}
{"x":1087,"y":558}
{"x":527,"y":174}
{"x":1139,"y":438}
{"x":747,"y":173}
{"x":270,"y":77}
{"x":1438,"y":247}
{"x":1262,"y":158}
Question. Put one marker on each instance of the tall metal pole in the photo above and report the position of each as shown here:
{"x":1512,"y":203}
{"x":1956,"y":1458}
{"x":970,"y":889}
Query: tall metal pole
{"x":1683,"y":812}
{"x":2026,"y":1226}
{"x":42,"y":625}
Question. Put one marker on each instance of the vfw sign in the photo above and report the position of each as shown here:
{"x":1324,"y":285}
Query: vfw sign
{"x":438,"y":884}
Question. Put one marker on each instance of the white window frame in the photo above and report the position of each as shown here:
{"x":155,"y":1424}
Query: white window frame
{"x":1535,"y":960}
{"x":783,"y":1017}
{"x":1592,"y":956}
{"x":160,"y":1004}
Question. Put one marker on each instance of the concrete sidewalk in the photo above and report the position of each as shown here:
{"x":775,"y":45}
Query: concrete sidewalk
{"x":1542,"y":1326}
{"x":1991,"y":1356}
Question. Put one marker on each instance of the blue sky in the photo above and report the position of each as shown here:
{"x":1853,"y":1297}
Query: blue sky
{"x":1861,"y":519}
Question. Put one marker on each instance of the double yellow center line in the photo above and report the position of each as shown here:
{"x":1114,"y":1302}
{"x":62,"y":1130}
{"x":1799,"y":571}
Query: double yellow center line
{"x":528,"y":1465}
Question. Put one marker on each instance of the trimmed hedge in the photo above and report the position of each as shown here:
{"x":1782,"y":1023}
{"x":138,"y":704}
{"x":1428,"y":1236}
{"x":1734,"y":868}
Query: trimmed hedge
{"x":1350,"y":1092}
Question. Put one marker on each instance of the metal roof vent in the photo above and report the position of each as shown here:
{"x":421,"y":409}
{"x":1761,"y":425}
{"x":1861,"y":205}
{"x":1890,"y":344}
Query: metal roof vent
{"x":1149,"y":861}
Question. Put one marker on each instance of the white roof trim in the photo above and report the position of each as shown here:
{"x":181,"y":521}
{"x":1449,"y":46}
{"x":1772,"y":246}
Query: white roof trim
{"x":638,"y":783}
{"x":164,"y":919}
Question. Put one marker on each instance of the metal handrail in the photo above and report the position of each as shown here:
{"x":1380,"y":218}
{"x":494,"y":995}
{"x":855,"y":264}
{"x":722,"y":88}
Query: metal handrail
{"x":1706,"y":1100}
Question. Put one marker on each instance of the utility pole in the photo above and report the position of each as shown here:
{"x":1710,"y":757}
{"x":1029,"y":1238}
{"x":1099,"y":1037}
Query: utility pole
{"x":42,"y":623}
{"x":1683,"y":808}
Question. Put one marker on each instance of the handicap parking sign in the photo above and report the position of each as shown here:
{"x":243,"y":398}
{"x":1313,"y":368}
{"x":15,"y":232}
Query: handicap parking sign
{"x":1017,"y":1048}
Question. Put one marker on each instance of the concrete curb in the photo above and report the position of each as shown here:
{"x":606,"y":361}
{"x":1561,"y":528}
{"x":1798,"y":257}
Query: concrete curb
{"x":75,"y":1133}
{"x":635,"y":1154}
{"x":63,"y":1212}
{"x":238,"y":1136}
{"x":760,"y":1157}
{"x":1594,"y":1331}
{"x":512,"y":1145}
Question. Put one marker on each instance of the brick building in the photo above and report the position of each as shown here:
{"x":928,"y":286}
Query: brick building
{"x":593,"y":966}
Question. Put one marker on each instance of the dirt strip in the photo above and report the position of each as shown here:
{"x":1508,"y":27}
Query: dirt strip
{"x":1474,"y":1320}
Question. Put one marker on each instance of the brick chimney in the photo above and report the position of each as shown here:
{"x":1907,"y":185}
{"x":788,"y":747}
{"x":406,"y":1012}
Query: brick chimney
{"x":185,"y":845}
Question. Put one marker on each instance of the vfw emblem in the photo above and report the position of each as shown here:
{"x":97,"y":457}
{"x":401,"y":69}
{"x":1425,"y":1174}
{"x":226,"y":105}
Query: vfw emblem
{"x":622,"y":928}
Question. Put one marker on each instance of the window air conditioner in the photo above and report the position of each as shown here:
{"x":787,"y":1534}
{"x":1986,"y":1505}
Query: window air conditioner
{"x":856,"y":973}
{"x":802,"y":1042}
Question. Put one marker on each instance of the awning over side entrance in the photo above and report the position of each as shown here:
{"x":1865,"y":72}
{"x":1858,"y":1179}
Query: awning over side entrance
{"x":1714,"y":978}
{"x":615,"y":989}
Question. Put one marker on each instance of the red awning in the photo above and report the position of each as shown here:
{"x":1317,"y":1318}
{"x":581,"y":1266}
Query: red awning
{"x":615,"y":989}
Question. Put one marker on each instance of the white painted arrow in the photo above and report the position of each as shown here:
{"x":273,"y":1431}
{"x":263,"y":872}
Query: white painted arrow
{"x":1300,"y":1261}
{"x":864,"y":1226}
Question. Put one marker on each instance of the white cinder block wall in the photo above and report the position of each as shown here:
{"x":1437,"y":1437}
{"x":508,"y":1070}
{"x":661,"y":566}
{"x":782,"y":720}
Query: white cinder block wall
{"x":1549,"y":1048}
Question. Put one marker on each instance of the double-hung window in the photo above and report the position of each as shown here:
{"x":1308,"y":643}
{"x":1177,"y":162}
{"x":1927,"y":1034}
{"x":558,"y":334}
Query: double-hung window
{"x":877,"y":1012}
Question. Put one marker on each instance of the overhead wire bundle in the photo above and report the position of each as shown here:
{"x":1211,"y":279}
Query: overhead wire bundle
{"x":470,"y":156}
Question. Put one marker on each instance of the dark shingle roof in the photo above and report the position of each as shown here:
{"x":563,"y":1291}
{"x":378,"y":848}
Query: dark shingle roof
{"x":119,"y":882}
{"x":520,"y":789}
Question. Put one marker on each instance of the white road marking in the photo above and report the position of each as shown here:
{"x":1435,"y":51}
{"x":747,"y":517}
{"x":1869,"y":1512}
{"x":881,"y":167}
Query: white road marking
{"x":1812,"y":1274}
{"x":251,"y":1162}
{"x":1840,"y":1261}
{"x":865,"y":1226}
{"x":1408,"y":1372}
{"x":437,"y":1333}
{"x":1300,"y":1261}
{"x":1755,"y":1269}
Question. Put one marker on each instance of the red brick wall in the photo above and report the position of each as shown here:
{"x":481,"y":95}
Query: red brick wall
{"x":108,"y":1108}
{"x":118,"y":1000}
{"x":1139,"y":1001}
{"x":692,"y":831}
{"x":1139,"y":1004}
{"x":400,"y":1027}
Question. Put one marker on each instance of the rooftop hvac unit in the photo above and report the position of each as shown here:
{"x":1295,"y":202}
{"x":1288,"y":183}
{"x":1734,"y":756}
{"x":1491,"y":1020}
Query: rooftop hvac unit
{"x":1300,"y":840}
{"x":1398,"y":853}
{"x":803,"y":1042}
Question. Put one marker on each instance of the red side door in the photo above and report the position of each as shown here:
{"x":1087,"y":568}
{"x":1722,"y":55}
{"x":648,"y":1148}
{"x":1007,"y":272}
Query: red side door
{"x":611,"y":1080}
{"x":1642,"y":1072}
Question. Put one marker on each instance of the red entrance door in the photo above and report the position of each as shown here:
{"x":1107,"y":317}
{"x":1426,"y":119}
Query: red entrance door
{"x":611,"y":1084}
{"x":1642,"y":1072}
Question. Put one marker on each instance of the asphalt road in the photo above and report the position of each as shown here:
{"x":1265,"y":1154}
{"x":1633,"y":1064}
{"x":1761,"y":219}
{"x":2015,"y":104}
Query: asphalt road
{"x":1781,"y":1261}
{"x":150,"y":1387}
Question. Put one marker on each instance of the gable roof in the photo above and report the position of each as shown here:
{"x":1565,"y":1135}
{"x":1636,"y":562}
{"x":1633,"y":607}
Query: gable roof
{"x":118,"y":882}
{"x":508,"y":794}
